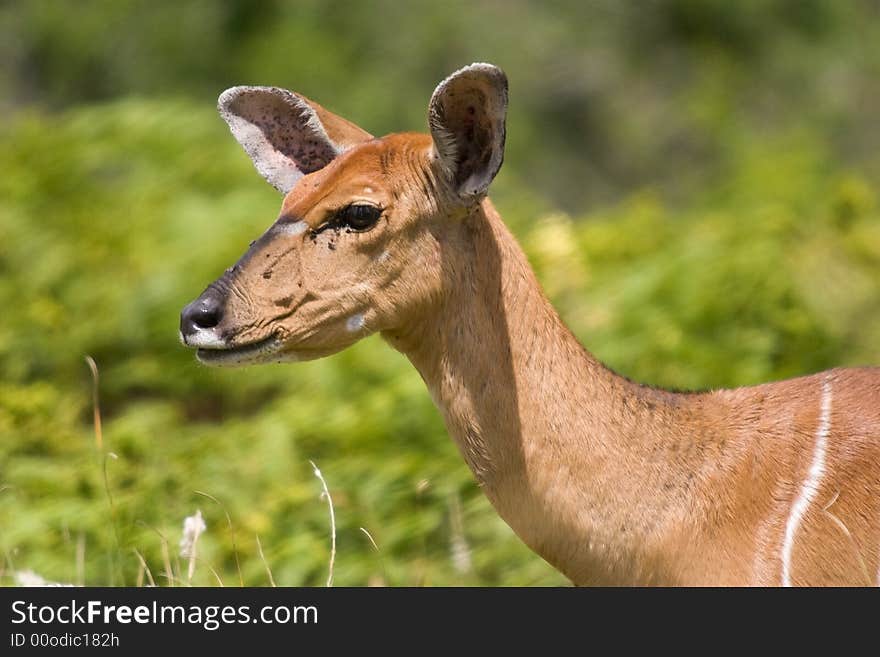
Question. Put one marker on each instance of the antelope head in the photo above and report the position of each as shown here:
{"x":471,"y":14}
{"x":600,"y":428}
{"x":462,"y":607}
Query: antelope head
{"x":356,"y":246}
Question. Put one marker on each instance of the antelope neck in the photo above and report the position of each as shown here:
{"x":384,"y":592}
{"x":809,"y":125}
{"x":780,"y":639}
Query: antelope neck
{"x":573,"y":456}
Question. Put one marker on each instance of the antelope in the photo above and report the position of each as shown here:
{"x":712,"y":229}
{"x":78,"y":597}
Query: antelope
{"x":610,"y":481}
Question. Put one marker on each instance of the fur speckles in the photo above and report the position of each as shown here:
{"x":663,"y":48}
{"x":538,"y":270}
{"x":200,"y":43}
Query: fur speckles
{"x":279,"y":130}
{"x":811,"y":484}
{"x":354,"y":323}
{"x":291,"y":229}
{"x":467,"y":119}
{"x":383,"y":257}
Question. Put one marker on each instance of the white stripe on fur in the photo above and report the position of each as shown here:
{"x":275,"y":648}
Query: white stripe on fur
{"x":811,"y":484}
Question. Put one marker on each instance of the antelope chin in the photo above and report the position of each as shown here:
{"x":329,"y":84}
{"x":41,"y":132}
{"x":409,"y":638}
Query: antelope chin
{"x":246,"y":354}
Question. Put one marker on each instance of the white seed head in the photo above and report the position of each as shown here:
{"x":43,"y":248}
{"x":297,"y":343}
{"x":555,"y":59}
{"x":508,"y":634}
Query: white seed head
{"x":193,"y":526}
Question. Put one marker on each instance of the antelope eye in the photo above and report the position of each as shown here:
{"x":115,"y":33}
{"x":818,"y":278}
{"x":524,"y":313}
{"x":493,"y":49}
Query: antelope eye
{"x":359,"y":217}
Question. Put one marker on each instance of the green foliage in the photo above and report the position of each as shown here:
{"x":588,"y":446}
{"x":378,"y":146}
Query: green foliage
{"x":607,"y":95}
{"x":752,"y":255}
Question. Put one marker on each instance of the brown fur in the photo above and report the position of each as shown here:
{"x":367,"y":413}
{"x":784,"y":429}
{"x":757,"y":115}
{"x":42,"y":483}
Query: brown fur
{"x":609,"y":481}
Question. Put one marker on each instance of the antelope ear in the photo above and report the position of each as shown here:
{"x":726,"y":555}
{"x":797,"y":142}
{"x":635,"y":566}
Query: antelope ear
{"x":467,"y":115}
{"x":285,"y":134}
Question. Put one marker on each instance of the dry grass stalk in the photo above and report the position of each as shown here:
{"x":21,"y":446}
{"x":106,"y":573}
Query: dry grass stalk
{"x":326,"y":493}
{"x":96,"y":407}
{"x":231,"y":532}
{"x":263,"y":557}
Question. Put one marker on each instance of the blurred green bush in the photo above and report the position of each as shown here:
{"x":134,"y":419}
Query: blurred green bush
{"x":732,"y":236}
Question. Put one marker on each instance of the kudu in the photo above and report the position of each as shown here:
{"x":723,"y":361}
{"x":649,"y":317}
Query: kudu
{"x":610,"y":481}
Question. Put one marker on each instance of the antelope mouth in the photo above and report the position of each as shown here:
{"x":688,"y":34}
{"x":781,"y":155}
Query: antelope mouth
{"x":253,"y":352}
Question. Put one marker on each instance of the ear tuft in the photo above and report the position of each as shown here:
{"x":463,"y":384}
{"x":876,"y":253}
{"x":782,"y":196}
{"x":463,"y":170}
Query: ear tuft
{"x":467,"y":117}
{"x":285,"y":134}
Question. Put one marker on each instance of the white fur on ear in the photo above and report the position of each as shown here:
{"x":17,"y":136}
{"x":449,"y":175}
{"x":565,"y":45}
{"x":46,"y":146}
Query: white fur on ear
{"x":467,"y":117}
{"x":285,"y":134}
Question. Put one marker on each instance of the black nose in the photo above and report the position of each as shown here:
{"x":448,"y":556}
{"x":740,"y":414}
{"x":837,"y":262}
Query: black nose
{"x":203,"y":313}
